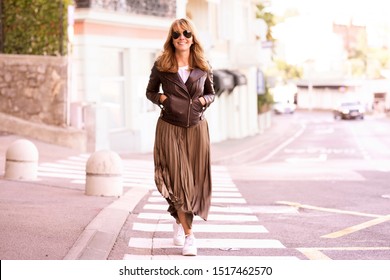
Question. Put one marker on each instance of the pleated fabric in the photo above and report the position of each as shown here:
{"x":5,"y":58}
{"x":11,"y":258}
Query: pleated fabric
{"x":183,"y":169}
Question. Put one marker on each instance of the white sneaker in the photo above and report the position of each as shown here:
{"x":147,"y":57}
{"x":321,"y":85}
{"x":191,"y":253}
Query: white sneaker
{"x":189,"y":248}
{"x":178,"y":234}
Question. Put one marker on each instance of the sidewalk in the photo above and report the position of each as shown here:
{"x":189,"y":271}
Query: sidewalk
{"x":46,"y":219}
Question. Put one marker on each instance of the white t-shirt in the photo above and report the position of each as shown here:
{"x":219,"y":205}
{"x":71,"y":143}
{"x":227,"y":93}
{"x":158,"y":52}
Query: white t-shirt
{"x":184,"y":73}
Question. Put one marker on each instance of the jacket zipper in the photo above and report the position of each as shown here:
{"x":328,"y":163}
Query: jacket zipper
{"x":189,"y":112}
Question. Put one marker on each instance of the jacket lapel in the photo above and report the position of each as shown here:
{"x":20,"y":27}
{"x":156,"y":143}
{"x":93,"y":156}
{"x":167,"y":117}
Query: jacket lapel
{"x":175,"y":78}
{"x":194,"y":76}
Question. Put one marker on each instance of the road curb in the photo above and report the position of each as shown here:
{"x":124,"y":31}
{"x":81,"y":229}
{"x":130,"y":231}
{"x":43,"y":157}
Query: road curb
{"x":98,"y":238}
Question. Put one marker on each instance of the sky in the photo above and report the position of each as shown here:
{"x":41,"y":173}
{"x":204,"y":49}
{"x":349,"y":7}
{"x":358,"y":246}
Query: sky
{"x":363,"y":11}
{"x":310,"y":36}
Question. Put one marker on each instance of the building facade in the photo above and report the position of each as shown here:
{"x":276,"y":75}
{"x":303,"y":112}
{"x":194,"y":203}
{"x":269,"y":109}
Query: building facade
{"x":114,"y":45}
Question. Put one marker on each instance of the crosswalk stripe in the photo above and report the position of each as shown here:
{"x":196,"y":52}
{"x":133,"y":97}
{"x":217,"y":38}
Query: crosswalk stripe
{"x":159,"y":243}
{"x":213,"y":200}
{"x":136,"y":173}
{"x":202,"y":228}
{"x":228,"y":200}
{"x":222,"y":209}
{"x":211,"y":217}
{"x":219,"y":258}
{"x":215,"y":194}
{"x":224,"y":189}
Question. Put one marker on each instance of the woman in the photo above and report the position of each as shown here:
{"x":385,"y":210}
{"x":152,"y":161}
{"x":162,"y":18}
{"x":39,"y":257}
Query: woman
{"x":182,"y":144}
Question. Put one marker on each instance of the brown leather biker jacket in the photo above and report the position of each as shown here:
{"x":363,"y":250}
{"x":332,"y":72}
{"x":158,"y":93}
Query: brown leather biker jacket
{"x":182,"y":107}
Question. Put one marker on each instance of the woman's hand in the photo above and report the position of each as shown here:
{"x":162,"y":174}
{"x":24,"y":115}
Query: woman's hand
{"x":162,"y":98}
{"x":202,"y":100}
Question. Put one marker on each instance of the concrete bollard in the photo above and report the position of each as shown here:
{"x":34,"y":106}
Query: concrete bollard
{"x":104,"y":174}
{"x":21,"y":161}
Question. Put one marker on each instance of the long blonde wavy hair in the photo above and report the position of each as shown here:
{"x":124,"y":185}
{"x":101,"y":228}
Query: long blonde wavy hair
{"x":167,"y":62}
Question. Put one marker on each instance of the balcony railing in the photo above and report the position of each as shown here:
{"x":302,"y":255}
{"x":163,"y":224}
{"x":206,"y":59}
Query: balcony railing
{"x":159,"y":8}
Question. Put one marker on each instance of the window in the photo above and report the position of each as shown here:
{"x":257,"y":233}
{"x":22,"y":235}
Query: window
{"x":112,"y":86}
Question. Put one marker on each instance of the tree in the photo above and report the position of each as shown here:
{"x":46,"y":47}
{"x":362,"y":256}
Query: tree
{"x":36,"y":27}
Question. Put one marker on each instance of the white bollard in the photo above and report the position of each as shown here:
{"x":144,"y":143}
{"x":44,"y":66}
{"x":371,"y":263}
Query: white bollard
{"x":21,"y":161}
{"x":104,"y":174}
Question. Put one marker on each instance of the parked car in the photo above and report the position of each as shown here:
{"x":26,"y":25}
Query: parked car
{"x":349,"y":110}
{"x":284,"y":107}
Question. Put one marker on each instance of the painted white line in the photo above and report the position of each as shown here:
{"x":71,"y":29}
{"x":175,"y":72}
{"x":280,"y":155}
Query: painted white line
{"x":214,"y":194}
{"x":228,"y":209}
{"x":321,"y":157}
{"x":213,"y":200}
{"x":219,"y":258}
{"x":160,"y":243}
{"x":281,"y":146}
{"x":215,"y":228}
{"x":224,"y":189}
{"x":225,"y":194}
{"x":228,"y":200}
{"x":332,"y":210}
{"x":211,"y":217}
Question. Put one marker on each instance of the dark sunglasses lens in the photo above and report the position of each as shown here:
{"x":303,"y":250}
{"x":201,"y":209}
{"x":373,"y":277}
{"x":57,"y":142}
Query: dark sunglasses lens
{"x":187,"y":34}
{"x":175,"y":35}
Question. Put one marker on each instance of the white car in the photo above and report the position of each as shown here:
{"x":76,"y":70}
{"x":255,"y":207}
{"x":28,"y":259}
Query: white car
{"x":284,"y":107}
{"x":349,"y":110}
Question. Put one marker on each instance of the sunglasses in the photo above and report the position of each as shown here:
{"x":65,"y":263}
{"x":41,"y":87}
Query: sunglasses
{"x":186,"y":34}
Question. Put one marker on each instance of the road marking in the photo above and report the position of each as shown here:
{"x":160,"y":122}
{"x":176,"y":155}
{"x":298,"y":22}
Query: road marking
{"x":167,"y":227}
{"x":211,"y":217}
{"x":316,"y":254}
{"x":378,"y":218}
{"x":215,"y":194}
{"x":274,"y":209}
{"x":219,"y":258}
{"x":321,"y":157}
{"x":222,"y":243}
{"x":213,"y":200}
{"x":213,"y":208}
{"x":282,"y":146}
{"x":358,"y":227}
{"x":333,"y":210}
{"x":324,"y":130}
{"x":313,"y":254}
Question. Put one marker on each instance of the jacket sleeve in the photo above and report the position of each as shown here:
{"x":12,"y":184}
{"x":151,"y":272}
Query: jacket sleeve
{"x":153,"y":88}
{"x":209,"y":92}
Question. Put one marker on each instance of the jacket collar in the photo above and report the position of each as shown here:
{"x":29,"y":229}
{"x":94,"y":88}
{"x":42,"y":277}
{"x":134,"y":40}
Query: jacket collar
{"x":195,"y":75}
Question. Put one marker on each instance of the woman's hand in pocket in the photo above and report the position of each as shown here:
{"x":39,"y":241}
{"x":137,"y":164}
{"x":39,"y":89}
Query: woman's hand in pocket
{"x":202,"y":101}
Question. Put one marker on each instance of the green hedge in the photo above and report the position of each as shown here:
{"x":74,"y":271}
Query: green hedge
{"x":37,"y":27}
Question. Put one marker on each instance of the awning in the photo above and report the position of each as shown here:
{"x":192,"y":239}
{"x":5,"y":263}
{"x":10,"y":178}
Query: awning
{"x":239,"y":78}
{"x":223,"y":81}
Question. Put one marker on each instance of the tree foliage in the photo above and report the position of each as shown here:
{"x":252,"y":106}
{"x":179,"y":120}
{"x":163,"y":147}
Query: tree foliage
{"x":37,"y":27}
{"x":269,"y":19}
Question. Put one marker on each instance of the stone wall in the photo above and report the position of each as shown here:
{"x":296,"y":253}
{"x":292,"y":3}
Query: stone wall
{"x":34,"y":88}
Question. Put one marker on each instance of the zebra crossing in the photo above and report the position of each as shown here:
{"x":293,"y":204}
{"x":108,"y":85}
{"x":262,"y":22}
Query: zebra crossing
{"x":136,"y":173}
{"x":231,"y":230}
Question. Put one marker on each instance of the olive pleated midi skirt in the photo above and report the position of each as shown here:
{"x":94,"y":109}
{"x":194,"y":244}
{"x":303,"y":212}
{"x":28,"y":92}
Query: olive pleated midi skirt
{"x":183,"y":169}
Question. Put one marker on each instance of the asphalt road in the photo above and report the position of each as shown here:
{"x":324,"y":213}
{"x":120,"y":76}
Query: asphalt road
{"x":313,"y":189}
{"x":335,"y":174}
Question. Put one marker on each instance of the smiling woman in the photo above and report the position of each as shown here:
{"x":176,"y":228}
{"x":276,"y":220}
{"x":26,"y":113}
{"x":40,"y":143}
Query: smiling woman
{"x":182,"y":143}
